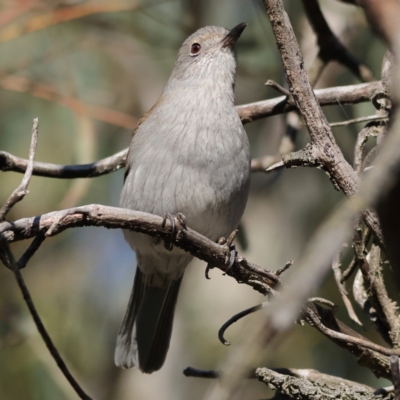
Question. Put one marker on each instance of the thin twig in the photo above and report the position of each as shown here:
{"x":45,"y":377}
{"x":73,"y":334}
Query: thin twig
{"x":9,"y":162}
{"x":200,"y":373}
{"x":284,"y":268}
{"x":236,"y":318}
{"x":280,"y":89}
{"x":5,"y":249}
{"x":32,"y":249}
{"x":20,"y":192}
{"x":352,"y":94}
{"x":361,"y":119}
{"x":342,"y":289}
{"x":275,"y":166}
{"x":346,"y":338}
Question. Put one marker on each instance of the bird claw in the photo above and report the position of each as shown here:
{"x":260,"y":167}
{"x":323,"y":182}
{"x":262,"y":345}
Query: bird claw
{"x":178,"y":224}
{"x":230,"y":252}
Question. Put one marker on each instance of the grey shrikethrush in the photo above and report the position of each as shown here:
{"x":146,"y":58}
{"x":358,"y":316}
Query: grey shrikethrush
{"x":189,"y":154}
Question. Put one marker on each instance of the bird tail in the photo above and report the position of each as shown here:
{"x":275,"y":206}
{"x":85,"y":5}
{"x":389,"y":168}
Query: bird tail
{"x":145,"y":333}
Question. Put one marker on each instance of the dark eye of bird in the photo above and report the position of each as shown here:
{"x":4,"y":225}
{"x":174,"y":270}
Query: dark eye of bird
{"x":195,"y":49}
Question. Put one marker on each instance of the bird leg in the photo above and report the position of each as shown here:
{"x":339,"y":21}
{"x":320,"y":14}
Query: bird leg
{"x":178,"y":224}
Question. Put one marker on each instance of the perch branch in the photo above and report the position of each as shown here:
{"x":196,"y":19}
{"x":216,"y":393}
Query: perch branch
{"x":111,"y":217}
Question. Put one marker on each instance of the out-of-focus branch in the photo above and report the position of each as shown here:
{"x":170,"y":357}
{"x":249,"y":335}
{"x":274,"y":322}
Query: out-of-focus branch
{"x":330,"y":48}
{"x":384,"y":17}
{"x":200,"y":373}
{"x":111,"y":217}
{"x":46,"y":92}
{"x":64,"y":14}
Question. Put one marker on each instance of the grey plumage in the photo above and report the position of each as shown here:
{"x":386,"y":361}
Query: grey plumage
{"x":188,"y":154}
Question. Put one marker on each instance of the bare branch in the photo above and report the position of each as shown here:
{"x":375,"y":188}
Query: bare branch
{"x":111,"y":217}
{"x":357,"y":120}
{"x":360,"y":342}
{"x":8,"y":162}
{"x":352,"y":94}
{"x":322,"y":386}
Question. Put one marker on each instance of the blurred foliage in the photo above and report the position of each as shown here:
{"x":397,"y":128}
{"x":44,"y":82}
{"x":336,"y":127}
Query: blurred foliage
{"x":89,"y":70}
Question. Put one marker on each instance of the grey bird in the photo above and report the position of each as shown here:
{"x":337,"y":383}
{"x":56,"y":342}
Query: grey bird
{"x":189,"y":154}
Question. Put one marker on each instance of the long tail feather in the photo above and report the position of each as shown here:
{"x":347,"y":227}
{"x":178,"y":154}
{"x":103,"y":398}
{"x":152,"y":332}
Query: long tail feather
{"x":147,"y":326}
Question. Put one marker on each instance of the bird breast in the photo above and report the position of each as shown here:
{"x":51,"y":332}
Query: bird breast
{"x":191,"y":155}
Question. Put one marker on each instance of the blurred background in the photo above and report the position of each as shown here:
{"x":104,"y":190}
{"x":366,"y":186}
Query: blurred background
{"x":89,"y":70}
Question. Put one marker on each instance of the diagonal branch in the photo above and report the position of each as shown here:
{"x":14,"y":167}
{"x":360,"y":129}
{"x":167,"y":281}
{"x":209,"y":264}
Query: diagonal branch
{"x":330,"y":47}
{"x":8,"y":258}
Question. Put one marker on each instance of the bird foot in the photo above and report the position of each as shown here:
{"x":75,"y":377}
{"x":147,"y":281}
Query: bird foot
{"x":230,"y":252}
{"x":178,"y":224}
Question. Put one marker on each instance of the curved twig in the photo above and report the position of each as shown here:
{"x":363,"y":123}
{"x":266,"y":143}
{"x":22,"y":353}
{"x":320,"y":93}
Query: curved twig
{"x":309,"y":313}
{"x":236,"y":318}
{"x":5,"y":249}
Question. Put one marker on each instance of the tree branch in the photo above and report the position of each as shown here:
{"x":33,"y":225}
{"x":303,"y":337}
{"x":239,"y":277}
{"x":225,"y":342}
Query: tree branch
{"x":323,"y":386}
{"x":351,"y":94}
{"x":111,"y":217}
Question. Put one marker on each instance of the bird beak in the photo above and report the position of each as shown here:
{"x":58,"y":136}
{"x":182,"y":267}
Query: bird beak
{"x":233,"y":35}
